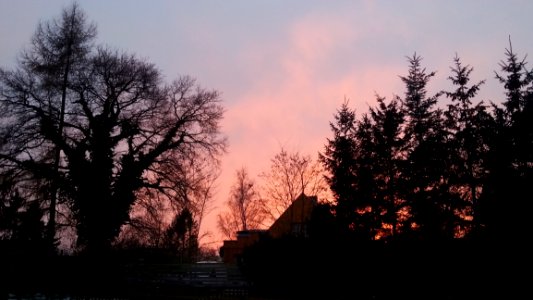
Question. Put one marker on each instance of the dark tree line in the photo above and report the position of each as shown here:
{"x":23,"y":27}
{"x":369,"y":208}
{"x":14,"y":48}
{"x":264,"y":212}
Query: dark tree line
{"x":86,"y":132}
{"x":410,"y":169}
{"x":430,"y":201}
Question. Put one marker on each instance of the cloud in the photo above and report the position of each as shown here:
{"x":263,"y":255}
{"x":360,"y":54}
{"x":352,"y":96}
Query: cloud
{"x":299,"y":81}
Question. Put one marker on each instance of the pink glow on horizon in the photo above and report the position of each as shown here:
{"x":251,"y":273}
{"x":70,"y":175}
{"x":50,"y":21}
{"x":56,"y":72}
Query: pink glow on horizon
{"x":291,"y":103}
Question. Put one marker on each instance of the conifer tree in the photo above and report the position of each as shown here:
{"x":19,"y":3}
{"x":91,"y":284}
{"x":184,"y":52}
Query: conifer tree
{"x":369,"y":206}
{"x":468,"y":126}
{"x":388,"y":120}
{"x":506,"y":200}
{"x":423,"y":139}
{"x":339,"y":159}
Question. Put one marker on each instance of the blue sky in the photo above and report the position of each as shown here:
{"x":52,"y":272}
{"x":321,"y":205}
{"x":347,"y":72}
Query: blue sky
{"x":284,"y":67}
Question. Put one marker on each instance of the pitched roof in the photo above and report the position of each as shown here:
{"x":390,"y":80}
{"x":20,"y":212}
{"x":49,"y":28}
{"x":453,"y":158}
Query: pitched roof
{"x":299,"y":212}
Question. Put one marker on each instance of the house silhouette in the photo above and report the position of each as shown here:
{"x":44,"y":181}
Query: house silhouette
{"x":293,"y":221}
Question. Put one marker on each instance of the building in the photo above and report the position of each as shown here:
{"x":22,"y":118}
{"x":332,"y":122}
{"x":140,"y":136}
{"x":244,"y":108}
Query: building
{"x":293,"y":221}
{"x":232,"y":249}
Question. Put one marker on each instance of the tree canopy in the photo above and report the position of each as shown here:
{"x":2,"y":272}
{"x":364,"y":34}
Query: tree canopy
{"x":413,"y":170}
{"x":99,"y":125}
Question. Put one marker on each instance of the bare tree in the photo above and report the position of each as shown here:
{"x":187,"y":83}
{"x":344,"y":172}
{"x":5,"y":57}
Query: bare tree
{"x":290,"y":175}
{"x":246,"y":209}
{"x":58,"y":49}
{"x":151,"y":216}
{"x":123,"y":130}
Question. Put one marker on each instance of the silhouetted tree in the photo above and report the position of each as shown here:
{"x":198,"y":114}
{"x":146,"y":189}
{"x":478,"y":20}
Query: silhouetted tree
{"x":246,"y":209}
{"x":203,"y":176}
{"x":367,"y":223}
{"x":22,"y":230}
{"x":468,"y":125}
{"x":192,"y":189}
{"x":323,"y":224}
{"x":425,"y":158}
{"x":290,"y":175}
{"x":181,"y":236}
{"x":516,"y":81}
{"x":339,"y":159}
{"x":419,"y":109}
{"x":123,"y":130}
{"x":505,"y":203}
{"x":388,"y":121}
{"x":58,"y":50}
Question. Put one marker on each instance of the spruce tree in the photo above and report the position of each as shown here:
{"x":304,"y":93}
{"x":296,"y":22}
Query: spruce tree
{"x":468,"y":126}
{"x":369,"y":206}
{"x":423,"y":139}
{"x":339,"y":159}
{"x":506,"y":201}
{"x":388,"y":120}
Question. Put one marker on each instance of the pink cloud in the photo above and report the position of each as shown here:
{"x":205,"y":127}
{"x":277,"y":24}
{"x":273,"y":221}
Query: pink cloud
{"x":292,"y":98}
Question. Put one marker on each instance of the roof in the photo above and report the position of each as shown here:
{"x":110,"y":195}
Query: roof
{"x":299,"y":212}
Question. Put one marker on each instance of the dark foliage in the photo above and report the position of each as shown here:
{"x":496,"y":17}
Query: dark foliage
{"x":181,"y":237}
{"x":339,"y":159}
{"x":505,"y":204}
{"x":294,"y":268}
{"x":106,"y":129}
{"x":411,"y":171}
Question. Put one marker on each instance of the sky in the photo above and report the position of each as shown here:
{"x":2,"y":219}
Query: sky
{"x":283,"y":67}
